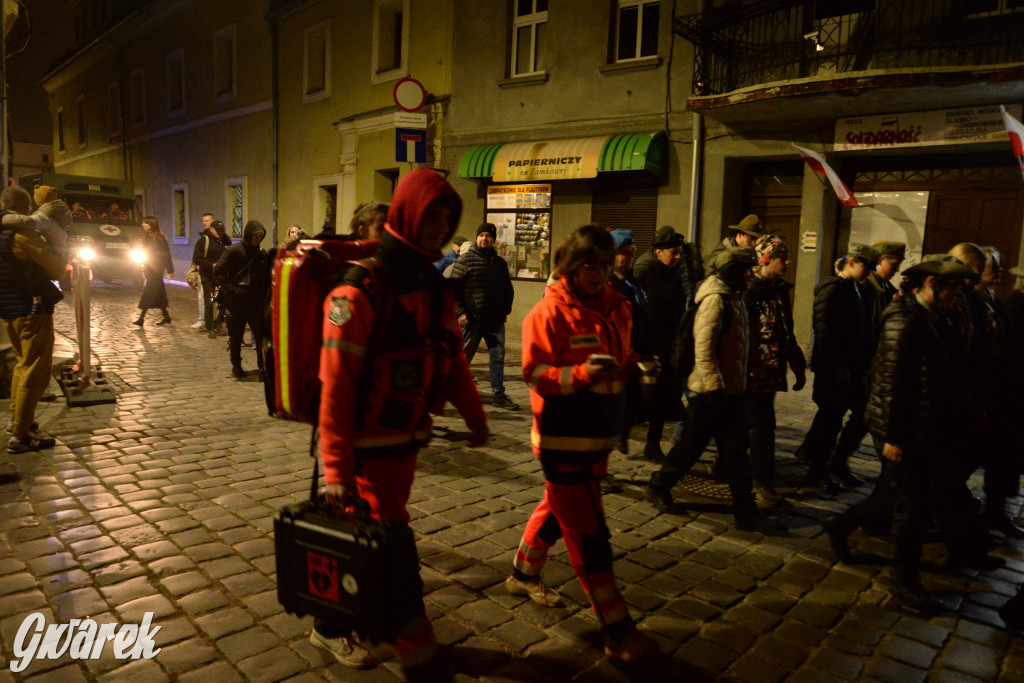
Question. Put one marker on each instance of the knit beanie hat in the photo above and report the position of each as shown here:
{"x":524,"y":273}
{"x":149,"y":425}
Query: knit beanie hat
{"x":488,"y":227}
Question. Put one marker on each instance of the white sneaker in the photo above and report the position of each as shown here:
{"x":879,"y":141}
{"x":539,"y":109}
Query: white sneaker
{"x":198,"y":325}
{"x":346,"y":649}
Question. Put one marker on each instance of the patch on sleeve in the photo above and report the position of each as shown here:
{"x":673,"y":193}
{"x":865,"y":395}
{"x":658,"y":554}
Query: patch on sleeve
{"x":341,"y":311}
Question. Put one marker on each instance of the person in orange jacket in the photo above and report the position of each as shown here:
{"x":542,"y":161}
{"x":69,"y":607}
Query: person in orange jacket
{"x":391,"y":356}
{"x":576,"y":351}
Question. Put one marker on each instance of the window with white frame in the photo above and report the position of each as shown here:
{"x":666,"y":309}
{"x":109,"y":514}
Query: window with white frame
{"x":113,"y":109}
{"x":175,"y":62}
{"x":316,"y":62}
{"x":235,"y":196}
{"x":390,"y":39}
{"x":225,"y":75}
{"x":83,"y":138}
{"x":179,"y":205}
{"x":61,"y":142}
{"x":529,"y":37}
{"x":137,"y":84}
{"x":636,"y":29}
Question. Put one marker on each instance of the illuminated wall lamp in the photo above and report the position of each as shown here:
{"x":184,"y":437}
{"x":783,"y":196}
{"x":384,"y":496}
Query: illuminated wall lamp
{"x":813,"y":37}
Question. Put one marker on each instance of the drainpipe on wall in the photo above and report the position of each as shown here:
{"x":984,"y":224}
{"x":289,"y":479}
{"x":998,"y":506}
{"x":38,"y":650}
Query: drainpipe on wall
{"x":274,"y":97}
{"x":697,"y":169}
{"x":120,"y":109}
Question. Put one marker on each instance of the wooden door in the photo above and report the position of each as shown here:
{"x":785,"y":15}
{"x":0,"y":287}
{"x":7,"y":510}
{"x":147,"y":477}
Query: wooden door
{"x":983,"y":216}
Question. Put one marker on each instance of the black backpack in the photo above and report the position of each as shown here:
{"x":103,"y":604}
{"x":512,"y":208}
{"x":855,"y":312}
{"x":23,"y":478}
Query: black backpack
{"x":682,"y":350}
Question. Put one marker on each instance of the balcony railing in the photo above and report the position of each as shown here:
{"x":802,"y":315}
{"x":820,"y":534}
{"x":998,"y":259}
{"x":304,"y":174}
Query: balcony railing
{"x":780,"y":40}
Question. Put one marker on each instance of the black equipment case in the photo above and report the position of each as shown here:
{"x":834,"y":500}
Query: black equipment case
{"x":333,"y":565}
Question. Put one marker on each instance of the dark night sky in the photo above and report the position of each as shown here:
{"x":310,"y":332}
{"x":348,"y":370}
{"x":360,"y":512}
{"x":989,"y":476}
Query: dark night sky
{"x":49,"y":37}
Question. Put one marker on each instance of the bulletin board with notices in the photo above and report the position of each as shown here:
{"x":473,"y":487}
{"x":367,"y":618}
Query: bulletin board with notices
{"x":522,"y":214}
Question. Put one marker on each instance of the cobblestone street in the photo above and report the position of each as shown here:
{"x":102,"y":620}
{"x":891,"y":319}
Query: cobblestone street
{"x":165,"y":502}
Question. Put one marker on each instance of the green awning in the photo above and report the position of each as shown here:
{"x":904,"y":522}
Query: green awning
{"x":626,"y":152}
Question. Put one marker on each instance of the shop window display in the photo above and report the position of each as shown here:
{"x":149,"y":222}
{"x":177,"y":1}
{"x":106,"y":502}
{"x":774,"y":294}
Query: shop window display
{"x":522,"y":214}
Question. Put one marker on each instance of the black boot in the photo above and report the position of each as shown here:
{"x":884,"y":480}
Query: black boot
{"x":166,"y":319}
{"x":839,"y":529}
{"x":141,"y":316}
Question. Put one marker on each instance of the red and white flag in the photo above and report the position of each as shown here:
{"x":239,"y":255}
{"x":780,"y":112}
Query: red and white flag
{"x":821,"y":167}
{"x":1015,"y":129}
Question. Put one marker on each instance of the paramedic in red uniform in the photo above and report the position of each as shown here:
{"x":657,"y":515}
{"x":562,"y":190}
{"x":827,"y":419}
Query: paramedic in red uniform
{"x":381,"y":382}
{"x":576,"y":351}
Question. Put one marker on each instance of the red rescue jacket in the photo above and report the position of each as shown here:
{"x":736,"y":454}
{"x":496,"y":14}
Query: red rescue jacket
{"x":574,"y":420}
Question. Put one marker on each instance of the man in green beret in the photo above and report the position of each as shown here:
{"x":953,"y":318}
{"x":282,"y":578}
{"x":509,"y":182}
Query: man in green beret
{"x":721,"y":338}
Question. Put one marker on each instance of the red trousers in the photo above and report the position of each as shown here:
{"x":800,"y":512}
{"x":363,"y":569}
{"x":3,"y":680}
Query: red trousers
{"x":571,"y":509}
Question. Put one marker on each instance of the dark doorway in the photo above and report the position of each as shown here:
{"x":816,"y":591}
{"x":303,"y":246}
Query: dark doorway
{"x":774,"y":192}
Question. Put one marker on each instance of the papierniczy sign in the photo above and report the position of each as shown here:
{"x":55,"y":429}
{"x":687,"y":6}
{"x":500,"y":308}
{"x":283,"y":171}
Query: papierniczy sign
{"x":548,"y":159}
{"x":82,"y":639}
{"x":921,"y":128}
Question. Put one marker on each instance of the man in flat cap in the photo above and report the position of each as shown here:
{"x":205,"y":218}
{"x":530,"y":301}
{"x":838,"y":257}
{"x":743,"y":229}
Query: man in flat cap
{"x":484,"y":293}
{"x":721,"y":337}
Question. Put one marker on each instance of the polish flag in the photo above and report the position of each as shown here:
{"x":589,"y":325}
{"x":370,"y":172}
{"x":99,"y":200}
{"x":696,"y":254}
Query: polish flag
{"x":1015,"y":129}
{"x":821,"y":167}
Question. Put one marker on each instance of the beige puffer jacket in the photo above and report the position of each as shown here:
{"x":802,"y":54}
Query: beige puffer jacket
{"x":720,"y":361}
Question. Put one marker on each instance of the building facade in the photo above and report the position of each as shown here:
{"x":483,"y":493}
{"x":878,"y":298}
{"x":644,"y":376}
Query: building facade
{"x":174,"y":95}
{"x":563,"y":114}
{"x":339,"y":65}
{"x":902,"y":97}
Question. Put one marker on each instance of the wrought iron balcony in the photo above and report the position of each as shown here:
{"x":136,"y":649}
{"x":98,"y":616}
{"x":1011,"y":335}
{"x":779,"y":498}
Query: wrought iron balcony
{"x":781,"y":40}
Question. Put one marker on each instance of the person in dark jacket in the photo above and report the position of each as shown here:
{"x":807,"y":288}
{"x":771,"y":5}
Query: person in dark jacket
{"x":890,"y":257}
{"x":209,"y":247}
{"x":840,"y":357}
{"x":158,"y":259}
{"x":656,"y":273}
{"x":912,"y":412}
{"x":30,"y":333}
{"x":623,"y":282}
{"x":773,"y":349}
{"x":484,"y":291}
{"x":241,"y":273}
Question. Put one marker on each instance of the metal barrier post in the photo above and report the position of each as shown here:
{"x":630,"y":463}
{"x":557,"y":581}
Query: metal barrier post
{"x":81,"y":388}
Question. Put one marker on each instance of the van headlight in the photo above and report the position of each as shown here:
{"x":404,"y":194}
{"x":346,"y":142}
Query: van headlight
{"x":138,"y":255}
{"x":86,"y":254}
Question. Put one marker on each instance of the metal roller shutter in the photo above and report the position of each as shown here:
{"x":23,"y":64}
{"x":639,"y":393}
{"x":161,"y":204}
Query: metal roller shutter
{"x":635,"y":208}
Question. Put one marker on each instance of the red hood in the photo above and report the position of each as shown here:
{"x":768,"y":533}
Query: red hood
{"x":414,"y":193}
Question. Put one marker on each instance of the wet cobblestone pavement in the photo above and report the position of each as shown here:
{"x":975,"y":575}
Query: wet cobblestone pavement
{"x":164,"y":503}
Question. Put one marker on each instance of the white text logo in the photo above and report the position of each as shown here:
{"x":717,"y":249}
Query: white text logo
{"x":82,"y":639}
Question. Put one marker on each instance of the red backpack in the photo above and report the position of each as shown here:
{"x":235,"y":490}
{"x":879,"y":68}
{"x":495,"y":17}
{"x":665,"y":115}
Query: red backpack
{"x":303,"y":275}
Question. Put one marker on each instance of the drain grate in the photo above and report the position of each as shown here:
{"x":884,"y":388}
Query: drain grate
{"x":704,"y":487}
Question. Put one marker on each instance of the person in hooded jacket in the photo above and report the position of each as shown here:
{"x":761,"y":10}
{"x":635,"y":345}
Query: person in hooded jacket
{"x":844,"y":342}
{"x":391,"y":357}
{"x":721,"y":337}
{"x":211,"y":244}
{"x":576,"y":350}
{"x":241,"y":273}
{"x":773,"y":349}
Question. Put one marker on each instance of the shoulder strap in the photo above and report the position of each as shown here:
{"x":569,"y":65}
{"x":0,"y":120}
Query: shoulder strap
{"x":206,"y":249}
